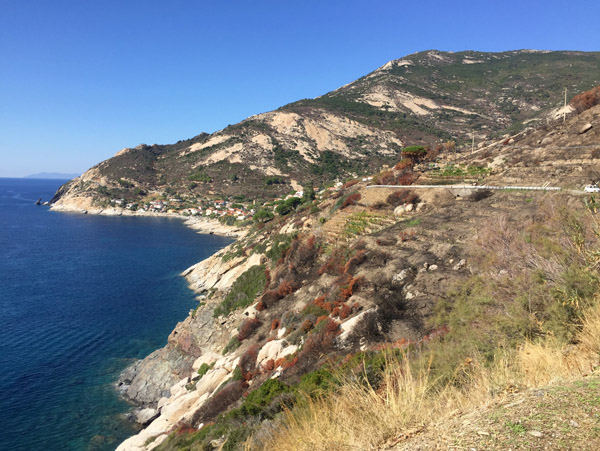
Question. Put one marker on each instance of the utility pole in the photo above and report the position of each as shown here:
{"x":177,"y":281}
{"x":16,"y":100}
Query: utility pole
{"x":565,"y":107}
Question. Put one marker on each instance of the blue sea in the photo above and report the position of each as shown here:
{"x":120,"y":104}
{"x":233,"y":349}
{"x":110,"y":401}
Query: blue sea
{"x":81,"y":297}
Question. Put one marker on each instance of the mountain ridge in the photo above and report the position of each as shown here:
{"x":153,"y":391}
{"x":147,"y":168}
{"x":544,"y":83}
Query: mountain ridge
{"x":428,"y":98}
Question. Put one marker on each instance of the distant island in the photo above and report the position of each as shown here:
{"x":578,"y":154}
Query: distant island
{"x":52,"y":175}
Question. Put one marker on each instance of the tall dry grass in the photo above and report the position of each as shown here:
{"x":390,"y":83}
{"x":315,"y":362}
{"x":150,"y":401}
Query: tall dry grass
{"x":360,"y":417}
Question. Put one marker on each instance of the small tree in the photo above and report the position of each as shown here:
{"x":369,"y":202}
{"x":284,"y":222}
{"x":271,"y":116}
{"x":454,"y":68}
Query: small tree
{"x":309,"y":193}
{"x":288,"y":206}
{"x":415,"y":153}
{"x":263,"y":216}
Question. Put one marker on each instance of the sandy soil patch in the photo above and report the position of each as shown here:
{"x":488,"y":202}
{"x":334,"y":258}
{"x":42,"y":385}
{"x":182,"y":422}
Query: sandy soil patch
{"x":211,"y":142}
{"x":223,"y":154}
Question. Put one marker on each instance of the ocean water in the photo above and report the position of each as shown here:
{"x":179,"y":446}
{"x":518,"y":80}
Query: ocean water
{"x":81,"y":297}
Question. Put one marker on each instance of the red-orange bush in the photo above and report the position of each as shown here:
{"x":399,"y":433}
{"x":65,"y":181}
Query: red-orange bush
{"x":286,"y":362}
{"x":351,"y":288}
{"x":284,"y":289}
{"x":269,"y":365}
{"x":321,"y":318}
{"x":270,"y":297}
{"x":586,"y":100}
{"x":352,"y":199}
{"x":350,"y":183}
{"x":345,"y":311}
{"x":275,"y":324}
{"x":356,"y":260}
{"x":260,"y":306}
{"x":247,"y":328}
{"x":248,"y":362}
{"x":403,"y":196}
{"x":407,"y":235}
{"x":406,"y":179}
{"x":406,"y":163}
{"x":306,"y":325}
{"x":321,"y":340}
{"x":320,"y":301}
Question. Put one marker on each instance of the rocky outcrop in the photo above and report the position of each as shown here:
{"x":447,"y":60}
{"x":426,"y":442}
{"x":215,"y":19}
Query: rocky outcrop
{"x":150,"y":379}
{"x":181,"y":401}
{"x":200,"y":333}
{"x":216,"y":273}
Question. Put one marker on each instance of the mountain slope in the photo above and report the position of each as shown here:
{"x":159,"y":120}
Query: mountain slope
{"x":487,"y":293}
{"x":426,"y":98}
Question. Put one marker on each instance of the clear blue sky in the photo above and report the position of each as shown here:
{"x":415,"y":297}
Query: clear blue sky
{"x":79,"y":80}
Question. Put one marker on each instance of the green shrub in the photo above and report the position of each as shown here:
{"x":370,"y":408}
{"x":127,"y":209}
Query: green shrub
{"x":281,"y":243}
{"x":233,"y":344}
{"x":317,"y":382}
{"x":204,"y":369}
{"x":274,"y":181}
{"x":243,"y":291}
{"x":261,"y":398}
{"x":125,"y":183}
{"x":200,"y":176}
{"x":288,"y":206}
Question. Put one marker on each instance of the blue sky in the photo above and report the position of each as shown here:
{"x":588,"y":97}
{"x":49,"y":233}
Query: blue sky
{"x":80,"y":80}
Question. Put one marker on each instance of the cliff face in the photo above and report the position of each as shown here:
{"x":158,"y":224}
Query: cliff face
{"x":425,"y":98}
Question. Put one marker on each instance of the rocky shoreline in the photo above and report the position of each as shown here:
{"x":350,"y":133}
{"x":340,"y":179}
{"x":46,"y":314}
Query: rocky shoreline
{"x":159,"y":384}
{"x":156,"y":385}
{"x":199,"y":224}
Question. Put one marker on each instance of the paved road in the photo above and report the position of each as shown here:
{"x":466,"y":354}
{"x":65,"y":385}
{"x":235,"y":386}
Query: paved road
{"x":486,"y":187}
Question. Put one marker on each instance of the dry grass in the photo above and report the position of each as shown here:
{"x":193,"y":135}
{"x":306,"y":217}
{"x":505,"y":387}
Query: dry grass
{"x":360,"y":416}
{"x":589,"y":337}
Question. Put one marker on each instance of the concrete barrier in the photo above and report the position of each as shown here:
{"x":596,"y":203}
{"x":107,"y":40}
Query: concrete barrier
{"x":470,"y":187}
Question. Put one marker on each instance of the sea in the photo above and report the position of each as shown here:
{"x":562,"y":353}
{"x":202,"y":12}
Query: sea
{"x":81,"y":298}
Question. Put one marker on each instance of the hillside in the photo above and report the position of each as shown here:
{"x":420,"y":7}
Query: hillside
{"x":424,"y":98}
{"x":378,"y":316}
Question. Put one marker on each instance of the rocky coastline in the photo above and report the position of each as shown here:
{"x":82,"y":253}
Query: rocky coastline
{"x":159,"y":384}
{"x":199,"y":224}
{"x":156,"y":385}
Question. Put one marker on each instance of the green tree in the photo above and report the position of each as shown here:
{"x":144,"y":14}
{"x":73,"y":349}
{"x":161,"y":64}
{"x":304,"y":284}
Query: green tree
{"x":263,"y":215}
{"x":309,"y":193}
